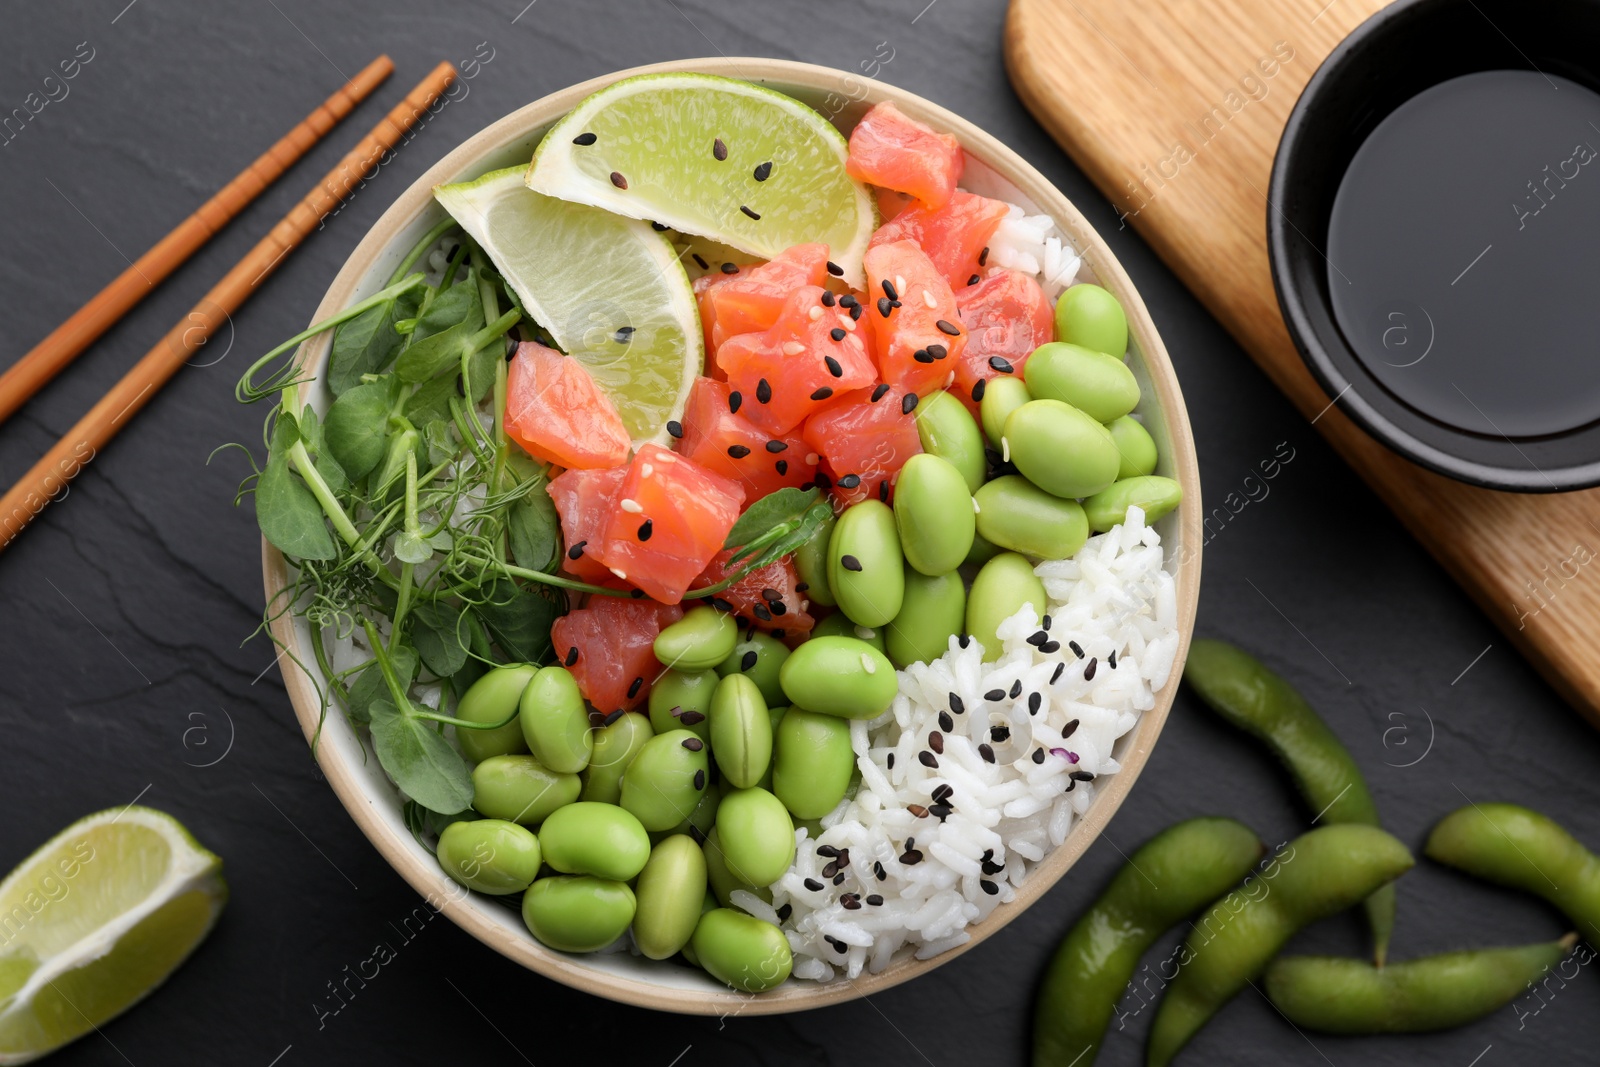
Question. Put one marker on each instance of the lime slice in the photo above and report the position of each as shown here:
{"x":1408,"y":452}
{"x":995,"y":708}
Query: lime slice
{"x":649,"y":148}
{"x":610,"y":291}
{"x":95,"y":920}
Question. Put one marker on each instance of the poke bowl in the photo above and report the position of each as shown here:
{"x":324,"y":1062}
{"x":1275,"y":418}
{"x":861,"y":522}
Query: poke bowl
{"x":975,"y":772}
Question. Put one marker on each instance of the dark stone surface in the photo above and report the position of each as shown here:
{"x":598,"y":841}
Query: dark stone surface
{"x":126,"y":607}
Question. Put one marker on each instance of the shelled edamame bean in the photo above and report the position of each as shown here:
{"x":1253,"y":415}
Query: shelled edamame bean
{"x":758,"y":656}
{"x":664,"y":782}
{"x":490,"y":855}
{"x":1001,"y":588}
{"x":599,"y":839}
{"x":670,"y":895}
{"x":1135,"y":446}
{"x":865,"y":564}
{"x":1001,"y":397}
{"x":681,"y":700}
{"x":1154,"y":495}
{"x":1060,"y":449}
{"x":933,"y":514}
{"x":933,"y":611}
{"x":520,"y":789}
{"x":1088,"y":315}
{"x":841,"y":676}
{"x":492,"y":698}
{"x":615,"y":747}
{"x":1015,"y":514}
{"x":741,"y":731}
{"x":840,"y":625}
{"x":812,"y":762}
{"x":554,"y":721}
{"x":578,"y":912}
{"x":947,"y":430}
{"x":756,"y":833}
{"x":699,"y":641}
{"x":1099,"y":385}
{"x":743,"y":951}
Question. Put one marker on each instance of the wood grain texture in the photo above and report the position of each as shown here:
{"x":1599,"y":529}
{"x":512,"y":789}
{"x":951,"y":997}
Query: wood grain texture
{"x":1174,"y":108}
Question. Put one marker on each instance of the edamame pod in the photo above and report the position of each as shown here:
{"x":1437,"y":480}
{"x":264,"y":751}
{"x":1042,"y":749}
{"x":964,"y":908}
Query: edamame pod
{"x":933,"y":514}
{"x":1099,"y":385}
{"x":490,"y":855}
{"x":1337,"y":995}
{"x":598,"y":839}
{"x":1514,"y":846}
{"x":670,"y":892}
{"x":698,"y":641}
{"x":555,"y":722}
{"x":1135,"y":446}
{"x":947,"y":430}
{"x":1321,"y":872}
{"x":1060,"y":449}
{"x":1243,"y":691}
{"x":1001,"y":397}
{"x":741,"y":731}
{"x":664,"y":782}
{"x":811,"y":565}
{"x":1171,"y":876}
{"x":520,"y":789}
{"x":934,"y":610}
{"x":839,"y":625}
{"x":742,"y":951}
{"x":1090,"y":316}
{"x":864,"y":564}
{"x":1155,"y":495}
{"x":493,"y":698}
{"x":1016,"y":514}
{"x":615,"y":747}
{"x":681,"y":700}
{"x":1002,"y":586}
{"x":812,"y":762}
{"x":577,"y":912}
{"x":724,"y":879}
{"x":758,"y":656}
{"x":757,"y":835}
{"x":841,"y":676}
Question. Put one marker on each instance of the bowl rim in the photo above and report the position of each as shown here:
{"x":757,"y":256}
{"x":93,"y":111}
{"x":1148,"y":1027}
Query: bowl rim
{"x":469,"y":912}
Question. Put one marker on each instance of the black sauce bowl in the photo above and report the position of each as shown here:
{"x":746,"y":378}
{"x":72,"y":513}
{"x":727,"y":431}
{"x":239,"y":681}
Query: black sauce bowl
{"x":1400,"y":51}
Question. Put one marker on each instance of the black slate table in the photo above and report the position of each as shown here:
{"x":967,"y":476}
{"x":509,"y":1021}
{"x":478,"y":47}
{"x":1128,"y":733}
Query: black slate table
{"x":126,"y":611}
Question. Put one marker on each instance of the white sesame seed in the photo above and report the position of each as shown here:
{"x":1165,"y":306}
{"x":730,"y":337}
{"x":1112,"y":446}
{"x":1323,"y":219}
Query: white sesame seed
{"x":666,"y":457}
{"x":927,"y":298}
{"x":867,"y":664}
{"x":619,"y":574}
{"x":1005,"y":455}
{"x":866,"y":633}
{"x":816,"y":313}
{"x":848,"y":323}
{"x":899,"y":284}
{"x":646,"y":470}
{"x":793,"y":348}
{"x":976,"y":510}
{"x":812,"y":458}
{"x":633,"y":507}
{"x":949,"y":379}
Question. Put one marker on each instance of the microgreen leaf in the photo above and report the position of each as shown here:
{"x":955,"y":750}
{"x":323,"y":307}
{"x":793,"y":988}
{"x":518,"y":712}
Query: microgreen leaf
{"x":419,"y":759}
{"x":286,"y":510}
{"x":357,"y":426}
{"x":519,"y":621}
{"x":785,"y":505}
{"x":367,"y":343}
{"x":370,"y":684}
{"x":439,"y":631}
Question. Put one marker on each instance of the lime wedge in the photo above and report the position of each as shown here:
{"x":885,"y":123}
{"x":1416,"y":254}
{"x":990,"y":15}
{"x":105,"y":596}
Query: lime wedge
{"x":609,"y":290}
{"x":725,"y":159}
{"x":95,"y":920}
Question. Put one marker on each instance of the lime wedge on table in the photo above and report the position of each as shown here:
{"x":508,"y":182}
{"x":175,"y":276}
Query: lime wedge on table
{"x":95,"y":920}
{"x":608,"y":289}
{"x":649,"y":147}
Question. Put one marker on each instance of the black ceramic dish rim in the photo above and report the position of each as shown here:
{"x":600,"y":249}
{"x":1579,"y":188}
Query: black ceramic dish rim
{"x":1324,"y":350}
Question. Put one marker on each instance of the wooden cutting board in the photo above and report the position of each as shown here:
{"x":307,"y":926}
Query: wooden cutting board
{"x":1175,"y":108}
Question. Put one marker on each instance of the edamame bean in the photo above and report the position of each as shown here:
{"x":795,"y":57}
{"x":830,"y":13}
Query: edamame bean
{"x":1243,"y":691}
{"x":1001,"y":397}
{"x":812,"y":762}
{"x":493,"y":698}
{"x":1337,"y":995}
{"x":724,"y":879}
{"x":1098,"y":385}
{"x":811,"y":565}
{"x":741,"y":731}
{"x":742,"y":951}
{"x":578,"y":912}
{"x":490,"y":855}
{"x":664,"y":782}
{"x":555,"y":722}
{"x":1514,"y":846}
{"x":1002,"y":586}
{"x":839,"y":625}
{"x":1088,"y":315}
{"x":864,"y":563}
{"x":1155,"y":495}
{"x":698,"y":641}
{"x":671,"y":891}
{"x":598,"y":839}
{"x":841,"y":676}
{"x":1170,"y":877}
{"x":1323,"y":872}
{"x":700,"y":820}
{"x":1134,"y":445}
{"x":933,"y":514}
{"x":947,"y":430}
{"x":768,"y":655}
{"x":982,"y":551}
{"x":709,"y":904}
{"x":935,"y":610}
{"x":615,"y":747}
{"x":681,"y":700}
{"x":757,"y":835}
{"x":520,"y":789}
{"x":1060,"y":449}
{"x":1018,"y":515}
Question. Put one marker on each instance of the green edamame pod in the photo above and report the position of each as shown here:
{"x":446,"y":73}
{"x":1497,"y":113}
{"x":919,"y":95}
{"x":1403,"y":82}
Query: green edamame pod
{"x":1337,"y":995}
{"x":598,"y":839}
{"x":722,"y":878}
{"x":1514,"y":846}
{"x":839,"y":625}
{"x":1155,"y":495}
{"x":681,"y":700}
{"x":577,"y":912}
{"x":934,"y":610}
{"x":493,"y":698}
{"x":490,"y":855}
{"x":664,"y":782}
{"x":811,"y":565}
{"x":1016,"y":514}
{"x":812,"y":762}
{"x":1243,"y":691}
{"x":933,"y":514}
{"x":615,"y":747}
{"x":1090,"y":316}
{"x":947,"y":430}
{"x":758,"y":656}
{"x":742,"y":951}
{"x":1099,"y":385}
{"x":1001,"y":397}
{"x":756,"y":834}
{"x":841,"y":676}
{"x":741,"y":731}
{"x":1320,"y":873}
{"x":698,"y":641}
{"x":1060,"y":449}
{"x":865,"y":563}
{"x":1135,"y":446}
{"x":670,"y":892}
{"x":1171,"y":876}
{"x":555,"y":722}
{"x":520,"y":789}
{"x":1002,"y":586}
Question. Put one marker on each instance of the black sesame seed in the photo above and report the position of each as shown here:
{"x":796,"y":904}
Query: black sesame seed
{"x":974,"y":280}
{"x":1044,"y":623}
{"x":917,"y":811}
{"x":946,"y":723}
{"x":701,"y":260}
{"x":1111,"y":661}
{"x":838,"y":334}
{"x":1016,"y":689}
{"x":751,"y":214}
{"x":828,"y":299}
{"x":890,"y":761}
{"x":801,"y":587}
{"x":1069,"y":729}
{"x":675,"y":429}
{"x":699,"y":779}
{"x":995,"y":694}
{"x":1034,"y":700}
{"x":721,"y":604}
{"x":883,"y":492}
{"x":1077,"y":649}
{"x":848,"y":300}
{"x":885,"y":305}
{"x":784,"y":912}
{"x":978,"y":389}
{"x":735,"y":399}
{"x":693,"y":744}
{"x":938,"y":351}
{"x":646,"y":528}
{"x":964,"y":640}
{"x":1037,"y":638}
{"x":889,"y":290}
{"x":983,"y":257}
{"x":1088,"y":671}
{"x":634,"y":687}
{"x":1038,"y":755}
{"x":911,"y":857}
{"x":988,"y":886}
{"x":777,"y":446}
{"x":947,"y":327}
{"x":849,"y":563}
{"x":738,"y":451}
{"x":719,"y":149}
{"x":761,"y":613}
{"x":813,"y":885}
{"x":936,"y":741}
{"x":908,"y":403}
{"x":877,"y":869}
{"x":576,"y":551}
{"x":782,"y":466}
{"x":618,"y":180}
{"x":942,"y":793}
{"x":927,"y":759}
{"x":1081,"y":776}
{"x":855,"y":313}
{"x":763,"y":391}
{"x":957,"y":705}
{"x":850,"y":902}
{"x":849,"y":481}
{"x":878,"y":391}
{"x":822,"y":394}
{"x":572,"y":656}
{"x":748,"y":660}
{"x":999,"y":734}
{"x":762,"y":171}
{"x":1050,"y":647}
{"x":730,"y":268}
{"x":624,"y":334}
{"x":833,"y":365}
{"x":585,"y":139}
{"x":692,"y":718}
{"x":1001,"y":364}
{"x":831,"y":869}
{"x":823,"y":481}
{"x":828,"y":851}
{"x":1055,"y":675}
{"x":875,"y":900}
{"x":987,"y":753}
{"x":922,"y":355}
{"x":613,"y":716}
{"x":988,"y":866}
{"x":941,"y":811}
{"x":660,"y":227}
{"x":835,"y":270}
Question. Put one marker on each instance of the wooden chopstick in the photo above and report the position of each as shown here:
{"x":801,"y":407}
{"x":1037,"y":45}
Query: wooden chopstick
{"x":29,"y":374}
{"x":82,"y":443}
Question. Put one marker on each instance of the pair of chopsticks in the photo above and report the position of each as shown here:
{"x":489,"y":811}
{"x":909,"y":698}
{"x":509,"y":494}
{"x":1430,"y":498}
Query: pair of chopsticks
{"x":49,"y":477}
